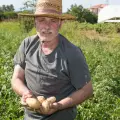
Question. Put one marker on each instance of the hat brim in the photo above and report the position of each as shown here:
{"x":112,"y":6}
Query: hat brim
{"x":62,"y":17}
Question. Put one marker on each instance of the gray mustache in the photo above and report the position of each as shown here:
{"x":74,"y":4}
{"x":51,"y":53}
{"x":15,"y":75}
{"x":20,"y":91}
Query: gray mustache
{"x":46,"y":31}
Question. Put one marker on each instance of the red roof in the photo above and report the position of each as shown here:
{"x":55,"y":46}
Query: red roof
{"x":99,"y":6}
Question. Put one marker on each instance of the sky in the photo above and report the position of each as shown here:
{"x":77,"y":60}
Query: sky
{"x":65,"y":3}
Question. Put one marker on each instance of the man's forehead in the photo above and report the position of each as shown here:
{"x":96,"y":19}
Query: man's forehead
{"x":40,"y":17}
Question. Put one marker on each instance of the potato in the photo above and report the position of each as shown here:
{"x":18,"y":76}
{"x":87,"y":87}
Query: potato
{"x":33,"y":103}
{"x":45,"y":106}
{"x":40,"y":104}
{"x":51,"y":99}
{"x":40,"y":99}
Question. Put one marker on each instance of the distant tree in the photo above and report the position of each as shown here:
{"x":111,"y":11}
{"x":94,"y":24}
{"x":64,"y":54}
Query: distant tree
{"x":4,"y":8}
{"x":1,"y":16}
{"x":29,"y":4}
{"x":89,"y":16}
{"x":10,"y":15}
{"x":11,"y":7}
{"x":82,"y":14}
{"x":76,"y":11}
{"x":1,"y":10}
{"x":7,"y":8}
{"x":7,"y":12}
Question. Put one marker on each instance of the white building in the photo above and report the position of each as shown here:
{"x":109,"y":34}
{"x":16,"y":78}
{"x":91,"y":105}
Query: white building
{"x":96,"y":8}
{"x":110,"y":13}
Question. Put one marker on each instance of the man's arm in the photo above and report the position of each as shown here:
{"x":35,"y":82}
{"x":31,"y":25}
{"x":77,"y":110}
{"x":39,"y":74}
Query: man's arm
{"x":17,"y":81}
{"x":75,"y":98}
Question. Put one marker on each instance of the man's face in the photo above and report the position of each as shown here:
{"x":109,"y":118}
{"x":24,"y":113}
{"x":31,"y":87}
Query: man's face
{"x":47,"y":28}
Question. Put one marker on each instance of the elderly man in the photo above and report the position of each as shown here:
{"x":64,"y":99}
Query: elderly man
{"x":47,"y":64}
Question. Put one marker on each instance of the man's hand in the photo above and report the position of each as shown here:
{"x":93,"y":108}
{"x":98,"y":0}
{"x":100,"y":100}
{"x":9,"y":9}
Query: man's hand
{"x":47,"y":106}
{"x":54,"y":107}
{"x":27,"y":94}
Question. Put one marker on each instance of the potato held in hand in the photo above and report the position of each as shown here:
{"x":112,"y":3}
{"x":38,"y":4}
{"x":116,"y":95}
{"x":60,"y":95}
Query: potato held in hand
{"x":46,"y":104}
{"x":33,"y":103}
{"x":51,"y":99}
{"x":41,"y":99}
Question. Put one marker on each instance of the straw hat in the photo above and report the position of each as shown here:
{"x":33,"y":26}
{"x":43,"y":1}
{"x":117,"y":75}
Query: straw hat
{"x":50,"y":8}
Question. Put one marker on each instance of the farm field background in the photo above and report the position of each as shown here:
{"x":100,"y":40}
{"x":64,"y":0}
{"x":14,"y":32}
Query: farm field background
{"x":100,"y":44}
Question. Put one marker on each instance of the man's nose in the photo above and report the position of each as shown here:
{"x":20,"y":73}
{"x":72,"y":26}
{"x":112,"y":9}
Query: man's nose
{"x":47,"y":24}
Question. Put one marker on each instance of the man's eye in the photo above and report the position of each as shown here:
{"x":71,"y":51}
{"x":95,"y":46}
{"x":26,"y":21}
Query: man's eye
{"x":41,"y":20}
{"x":53,"y":20}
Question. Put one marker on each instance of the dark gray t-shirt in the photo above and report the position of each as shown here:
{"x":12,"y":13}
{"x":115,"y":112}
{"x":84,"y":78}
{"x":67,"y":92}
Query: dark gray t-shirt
{"x":57,"y":74}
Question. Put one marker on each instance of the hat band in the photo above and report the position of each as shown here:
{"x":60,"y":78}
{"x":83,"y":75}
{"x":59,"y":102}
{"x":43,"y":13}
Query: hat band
{"x":47,"y":11}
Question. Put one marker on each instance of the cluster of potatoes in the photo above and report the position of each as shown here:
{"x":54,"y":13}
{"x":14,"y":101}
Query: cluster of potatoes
{"x":40,"y":103}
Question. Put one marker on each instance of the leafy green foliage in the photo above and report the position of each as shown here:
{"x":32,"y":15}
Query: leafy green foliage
{"x":102,"y":52}
{"x":7,"y":12}
{"x":7,"y":8}
{"x":10,"y":37}
{"x":29,"y":4}
{"x":82,"y":14}
{"x":26,"y":23}
{"x":10,"y":15}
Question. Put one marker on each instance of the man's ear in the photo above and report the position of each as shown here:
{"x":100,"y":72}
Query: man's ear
{"x":61,"y":23}
{"x":34,"y":24}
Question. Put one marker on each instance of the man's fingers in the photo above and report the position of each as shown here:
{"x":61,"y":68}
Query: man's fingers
{"x":26,"y":95}
{"x":54,"y":105}
{"x":23,"y":102}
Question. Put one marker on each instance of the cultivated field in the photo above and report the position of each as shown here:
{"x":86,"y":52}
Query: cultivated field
{"x":101,"y":47}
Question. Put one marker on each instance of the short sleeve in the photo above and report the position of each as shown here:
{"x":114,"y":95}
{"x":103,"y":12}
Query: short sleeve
{"x":78,"y":69}
{"x":19,"y":58}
